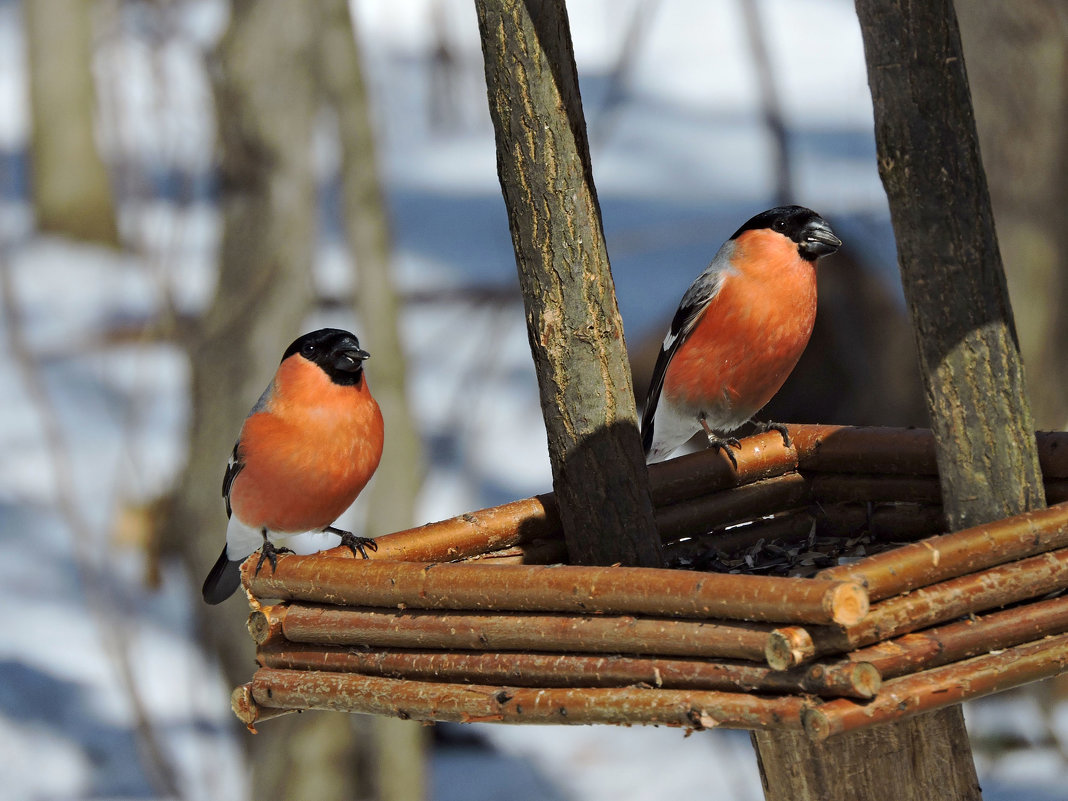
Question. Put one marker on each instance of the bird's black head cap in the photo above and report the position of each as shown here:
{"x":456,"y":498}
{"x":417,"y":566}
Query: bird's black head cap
{"x":338,"y":352}
{"x":811,"y":232}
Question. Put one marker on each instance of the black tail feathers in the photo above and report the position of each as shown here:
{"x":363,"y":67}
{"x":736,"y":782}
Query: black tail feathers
{"x":223,"y":580}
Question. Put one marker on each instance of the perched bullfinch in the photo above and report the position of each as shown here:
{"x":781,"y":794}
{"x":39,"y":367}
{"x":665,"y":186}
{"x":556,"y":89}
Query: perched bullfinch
{"x":307,"y":448}
{"x":739,"y":331}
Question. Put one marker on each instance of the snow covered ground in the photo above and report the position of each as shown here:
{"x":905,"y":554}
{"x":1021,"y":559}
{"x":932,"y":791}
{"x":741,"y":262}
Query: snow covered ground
{"x":680,"y":158}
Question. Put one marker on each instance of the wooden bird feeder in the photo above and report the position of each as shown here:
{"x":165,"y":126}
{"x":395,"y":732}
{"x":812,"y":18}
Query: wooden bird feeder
{"x":828,"y":598}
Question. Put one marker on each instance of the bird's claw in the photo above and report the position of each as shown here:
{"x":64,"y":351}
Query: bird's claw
{"x":725,"y":444}
{"x":358,"y":545}
{"x":760,"y":428}
{"x":269,"y":552}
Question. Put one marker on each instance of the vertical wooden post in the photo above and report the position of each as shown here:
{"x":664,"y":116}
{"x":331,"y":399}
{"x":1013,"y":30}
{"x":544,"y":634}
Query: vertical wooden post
{"x":950,"y":263}
{"x":973,"y":376}
{"x":576,"y":335}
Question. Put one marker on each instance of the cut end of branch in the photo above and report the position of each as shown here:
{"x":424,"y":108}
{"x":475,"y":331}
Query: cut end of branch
{"x":816,"y":724}
{"x":867,"y":680}
{"x":265,"y":624}
{"x":846,"y":603}
{"x":787,"y":647}
{"x":248,"y":711}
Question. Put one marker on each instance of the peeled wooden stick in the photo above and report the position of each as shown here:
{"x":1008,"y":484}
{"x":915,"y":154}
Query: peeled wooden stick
{"x":701,"y":514}
{"x":975,"y":592}
{"x":966,"y":638}
{"x":472,"y":533}
{"x":874,"y":488}
{"x":469,"y":703}
{"x":523,"y":631}
{"x":861,"y":449}
{"x":248,"y":711}
{"x":950,"y":555}
{"x":562,"y":588}
{"x":942,"y":686}
{"x":788,"y":647}
{"x":816,"y":448}
{"x":901,"y":451}
{"x":706,"y":471}
{"x":525,"y":669}
{"x":536,"y":518}
{"x":538,"y":552}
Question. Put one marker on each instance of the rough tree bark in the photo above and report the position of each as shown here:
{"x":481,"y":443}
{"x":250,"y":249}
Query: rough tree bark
{"x":398,"y":747}
{"x":950,"y":263}
{"x":71,"y":187}
{"x":573,"y":323}
{"x":955,"y":287}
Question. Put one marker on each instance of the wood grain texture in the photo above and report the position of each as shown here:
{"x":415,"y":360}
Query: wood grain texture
{"x":573,"y":323}
{"x":950,"y":263}
{"x":969,"y":358}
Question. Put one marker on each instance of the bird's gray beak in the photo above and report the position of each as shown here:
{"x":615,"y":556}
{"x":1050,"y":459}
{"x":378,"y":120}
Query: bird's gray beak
{"x":817,"y":239}
{"x":350,"y":360}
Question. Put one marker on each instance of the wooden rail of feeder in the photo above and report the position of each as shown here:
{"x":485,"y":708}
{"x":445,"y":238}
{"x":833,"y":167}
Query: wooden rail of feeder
{"x":534,"y":518}
{"x":975,"y":592}
{"x":902,"y":451}
{"x":845,"y":678}
{"x":942,"y":686}
{"x":480,"y":631}
{"x":698,"y":515}
{"x":788,"y":647}
{"x":950,"y":555}
{"x":835,"y":466}
{"x":249,"y":712}
{"x":816,"y":449}
{"x":979,"y":634}
{"x":470,"y":703}
{"x":695,"y":474}
{"x":558,"y":588}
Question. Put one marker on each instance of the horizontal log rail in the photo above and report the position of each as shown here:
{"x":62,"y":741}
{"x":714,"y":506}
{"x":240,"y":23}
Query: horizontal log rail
{"x":950,"y":555}
{"x":975,"y":635}
{"x":843,"y":678}
{"x":482,"y":631}
{"x":942,"y":686}
{"x":558,"y":588}
{"x":468,"y":619}
{"x":471,"y":703}
{"x":976,"y":592}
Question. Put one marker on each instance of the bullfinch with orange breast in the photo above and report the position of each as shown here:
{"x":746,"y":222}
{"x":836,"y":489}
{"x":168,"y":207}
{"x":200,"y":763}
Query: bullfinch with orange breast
{"x":306,"y":450}
{"x":739,"y":331}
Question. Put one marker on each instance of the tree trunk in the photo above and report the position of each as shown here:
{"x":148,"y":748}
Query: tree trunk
{"x":573,"y":323}
{"x":950,"y":264}
{"x":955,"y":287}
{"x":1014,"y":51}
{"x":71,"y":187}
{"x":398,"y":746}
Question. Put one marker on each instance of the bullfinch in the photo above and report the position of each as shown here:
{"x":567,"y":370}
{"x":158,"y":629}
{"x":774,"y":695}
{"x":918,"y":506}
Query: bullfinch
{"x":738,"y":332}
{"x":306,"y":450}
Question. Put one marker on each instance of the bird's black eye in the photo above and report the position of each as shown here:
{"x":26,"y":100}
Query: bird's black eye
{"x":779,"y":225}
{"x":307,"y":349}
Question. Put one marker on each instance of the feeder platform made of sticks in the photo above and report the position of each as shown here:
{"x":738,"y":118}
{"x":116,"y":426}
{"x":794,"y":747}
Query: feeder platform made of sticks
{"x":812,"y":588}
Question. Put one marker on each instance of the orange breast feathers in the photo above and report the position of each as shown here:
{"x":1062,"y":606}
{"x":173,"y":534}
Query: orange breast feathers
{"x":752,"y":333}
{"x":308,"y":453}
